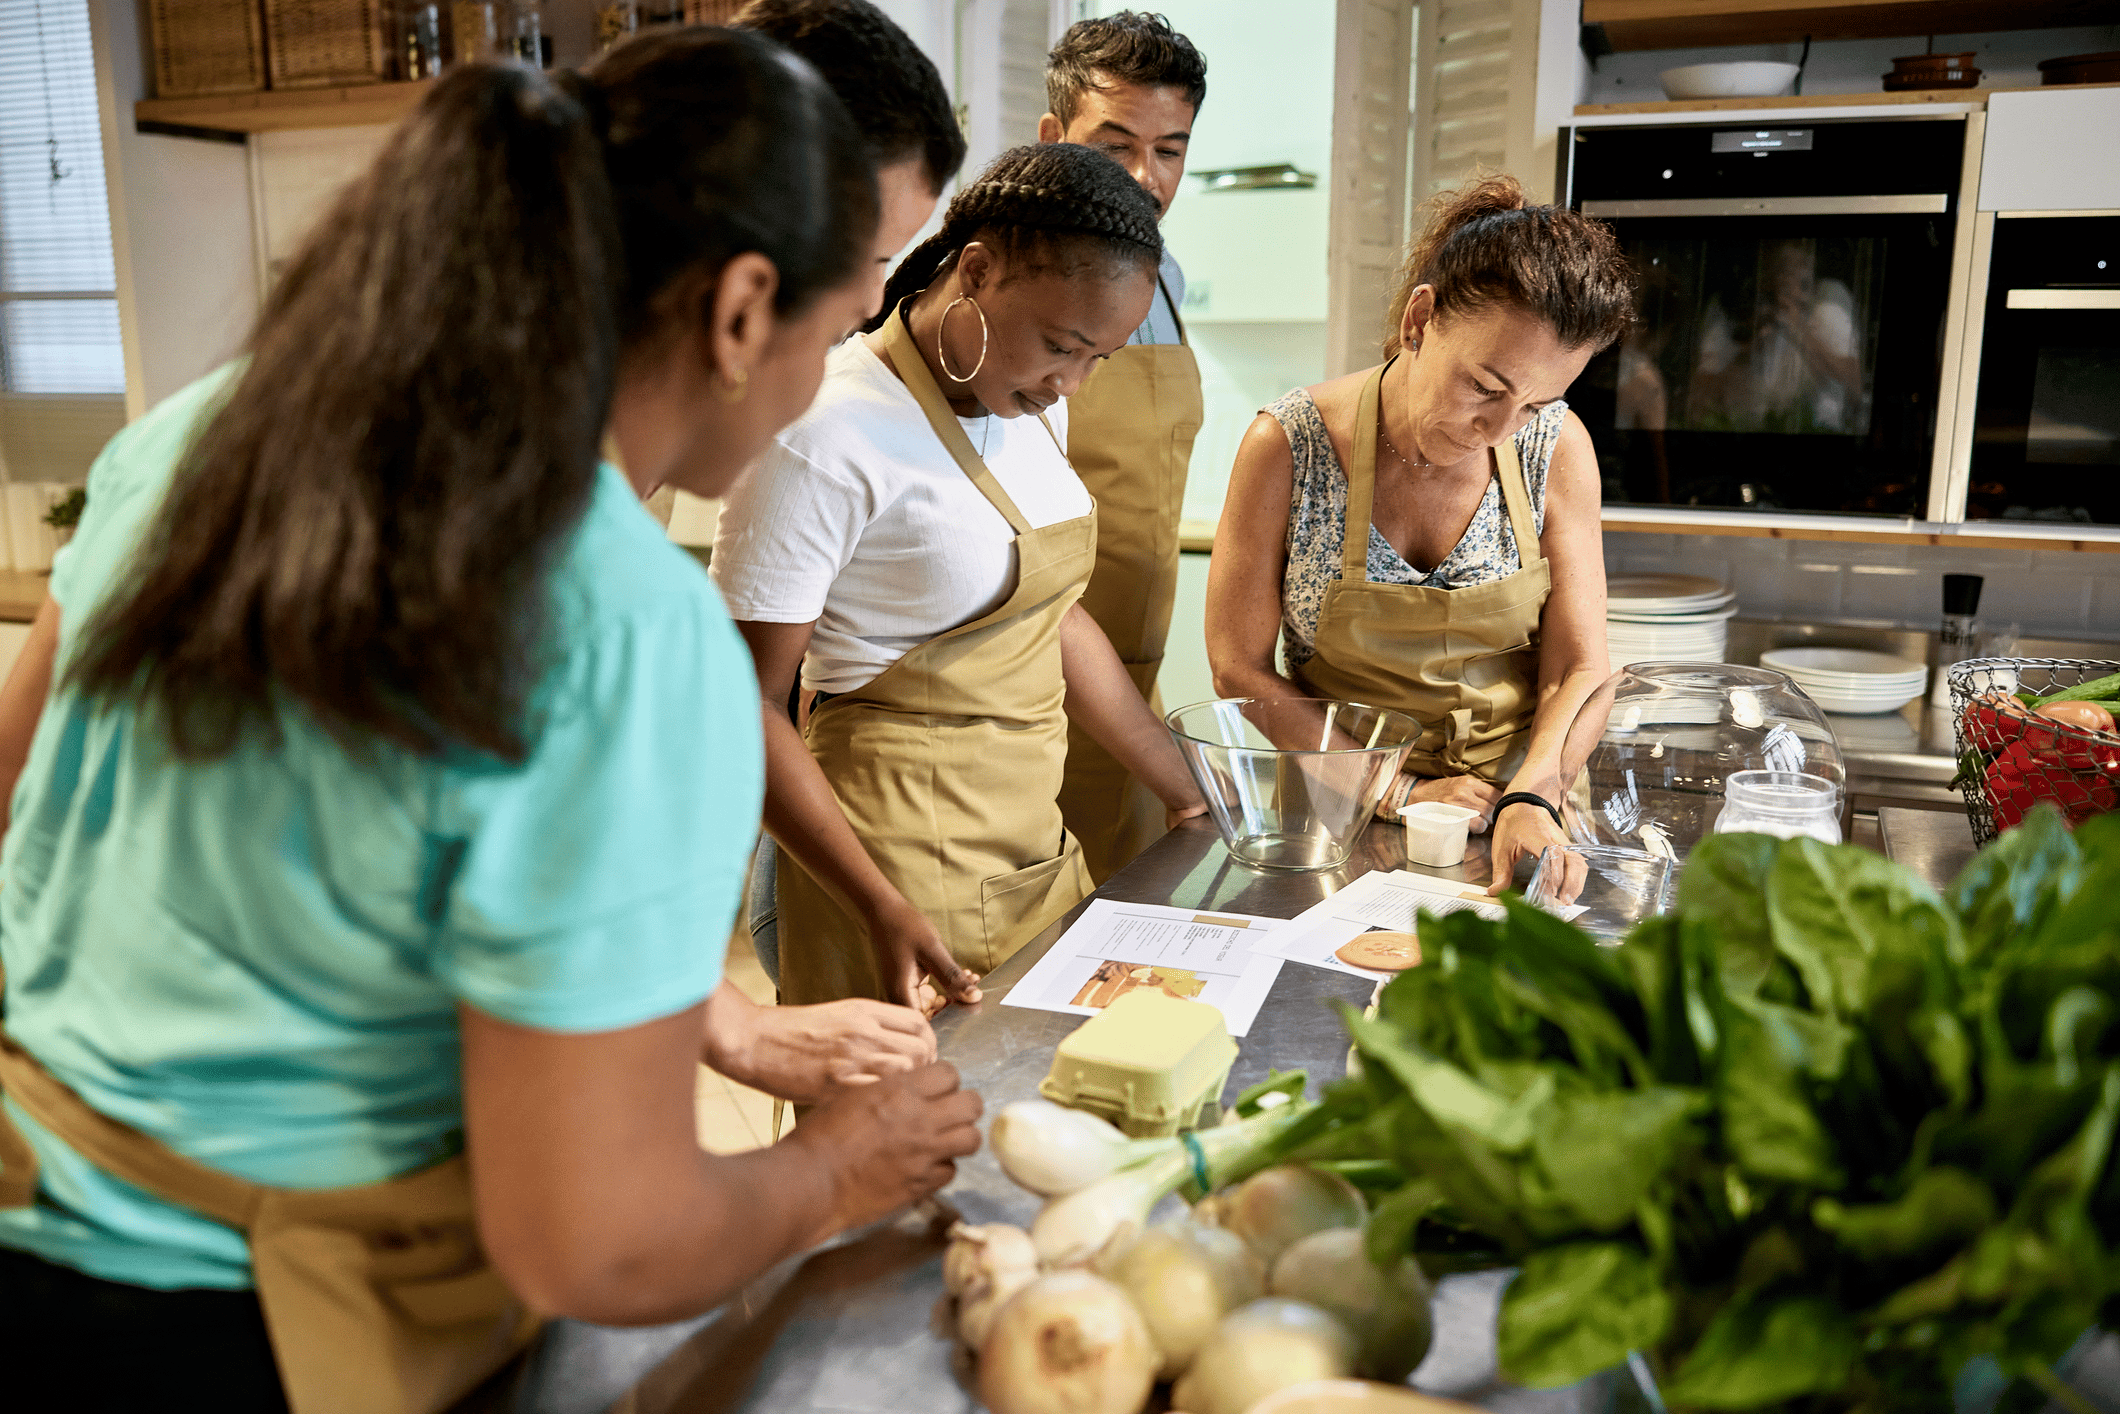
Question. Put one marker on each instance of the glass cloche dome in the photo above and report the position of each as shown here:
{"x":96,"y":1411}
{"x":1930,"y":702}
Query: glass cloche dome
{"x":1644,"y":763}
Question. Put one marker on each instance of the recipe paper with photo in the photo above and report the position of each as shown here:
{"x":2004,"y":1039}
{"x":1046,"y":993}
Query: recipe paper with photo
{"x":1116,"y":948}
{"x":1379,"y":901}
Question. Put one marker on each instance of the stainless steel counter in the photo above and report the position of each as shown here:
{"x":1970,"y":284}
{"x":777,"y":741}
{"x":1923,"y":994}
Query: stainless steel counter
{"x":1932,"y":844}
{"x":848,"y":1330}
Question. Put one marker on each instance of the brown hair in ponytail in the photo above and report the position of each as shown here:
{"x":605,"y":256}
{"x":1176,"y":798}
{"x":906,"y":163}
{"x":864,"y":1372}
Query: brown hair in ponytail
{"x":362,"y":531}
{"x":1483,"y":248}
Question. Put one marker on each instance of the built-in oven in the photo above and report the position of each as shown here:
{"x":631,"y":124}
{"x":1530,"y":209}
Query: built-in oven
{"x":1795,"y":281}
{"x":2046,"y":416}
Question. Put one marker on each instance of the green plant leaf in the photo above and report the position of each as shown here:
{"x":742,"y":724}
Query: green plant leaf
{"x":2015,"y":879}
{"x":1834,"y":908}
{"x":1763,"y":1349}
{"x":1768,"y":1121}
{"x":1577,"y":1309}
{"x":1725,"y":884}
{"x":1943,"y":1208}
{"x":1603,"y":1151}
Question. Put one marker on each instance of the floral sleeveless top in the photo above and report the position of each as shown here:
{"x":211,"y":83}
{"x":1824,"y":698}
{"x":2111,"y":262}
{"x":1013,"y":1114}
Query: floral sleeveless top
{"x":1317,"y":523}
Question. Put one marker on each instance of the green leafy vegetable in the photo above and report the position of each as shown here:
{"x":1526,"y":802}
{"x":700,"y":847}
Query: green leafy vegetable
{"x":1819,"y":1134}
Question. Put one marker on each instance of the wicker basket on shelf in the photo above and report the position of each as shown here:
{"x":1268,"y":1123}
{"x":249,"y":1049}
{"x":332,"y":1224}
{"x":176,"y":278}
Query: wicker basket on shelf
{"x":206,"y":47}
{"x":2009,"y":761}
{"x":327,"y":43}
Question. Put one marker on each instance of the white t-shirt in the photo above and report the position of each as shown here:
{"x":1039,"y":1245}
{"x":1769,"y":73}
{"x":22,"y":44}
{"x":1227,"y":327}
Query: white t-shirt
{"x":858,"y":517}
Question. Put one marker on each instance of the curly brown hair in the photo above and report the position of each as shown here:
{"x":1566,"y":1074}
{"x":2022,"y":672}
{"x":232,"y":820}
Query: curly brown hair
{"x":1483,"y":248}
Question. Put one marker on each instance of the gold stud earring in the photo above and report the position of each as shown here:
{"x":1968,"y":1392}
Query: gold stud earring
{"x":732,"y":390}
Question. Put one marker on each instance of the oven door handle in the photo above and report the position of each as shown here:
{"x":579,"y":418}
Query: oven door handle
{"x":2063,"y":299}
{"x":1904,"y":204}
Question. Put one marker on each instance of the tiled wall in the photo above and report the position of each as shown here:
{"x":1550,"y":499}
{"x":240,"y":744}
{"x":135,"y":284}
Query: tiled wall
{"x":2044,"y":592}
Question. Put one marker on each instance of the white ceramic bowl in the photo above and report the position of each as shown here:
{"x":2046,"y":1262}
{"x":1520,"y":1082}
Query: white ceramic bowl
{"x":1749,"y":78}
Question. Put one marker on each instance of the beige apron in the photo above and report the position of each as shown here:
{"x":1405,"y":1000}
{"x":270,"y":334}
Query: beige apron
{"x":1130,"y":431}
{"x":1463,"y":661}
{"x":948,"y":763}
{"x":378,"y":1299}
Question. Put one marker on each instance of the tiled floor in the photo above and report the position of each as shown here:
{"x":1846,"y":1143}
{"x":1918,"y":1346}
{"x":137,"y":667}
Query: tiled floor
{"x":732,"y":1117}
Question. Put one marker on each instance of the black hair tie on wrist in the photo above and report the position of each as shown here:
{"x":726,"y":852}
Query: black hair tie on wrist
{"x":1524,"y":797}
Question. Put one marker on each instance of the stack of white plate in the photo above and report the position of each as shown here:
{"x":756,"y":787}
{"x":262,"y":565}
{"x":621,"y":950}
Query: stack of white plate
{"x":1850,"y":679}
{"x":1670,"y":617}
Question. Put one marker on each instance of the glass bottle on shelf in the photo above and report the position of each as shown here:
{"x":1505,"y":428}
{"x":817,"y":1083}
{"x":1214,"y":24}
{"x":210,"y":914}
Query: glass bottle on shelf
{"x":522,"y":37}
{"x":418,"y":38}
{"x":1786,"y":804}
{"x":615,"y":20}
{"x":474,"y":30}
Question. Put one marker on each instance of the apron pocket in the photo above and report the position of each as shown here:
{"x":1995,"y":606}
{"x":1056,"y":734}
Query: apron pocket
{"x":1014,"y":906}
{"x":478,"y":1295}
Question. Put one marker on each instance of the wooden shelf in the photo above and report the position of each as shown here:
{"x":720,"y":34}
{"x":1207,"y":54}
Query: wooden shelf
{"x":1923,"y":97}
{"x":288,"y":108}
{"x":1678,"y":24}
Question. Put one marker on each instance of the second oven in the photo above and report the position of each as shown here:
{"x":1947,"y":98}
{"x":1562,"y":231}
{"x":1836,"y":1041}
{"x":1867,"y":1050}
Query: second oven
{"x":1795,"y":284}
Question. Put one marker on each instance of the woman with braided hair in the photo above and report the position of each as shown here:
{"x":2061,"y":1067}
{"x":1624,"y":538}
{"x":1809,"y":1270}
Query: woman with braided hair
{"x":915,"y":546}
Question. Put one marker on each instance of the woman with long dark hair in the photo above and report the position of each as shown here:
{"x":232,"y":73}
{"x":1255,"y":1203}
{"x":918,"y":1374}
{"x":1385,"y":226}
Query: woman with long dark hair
{"x":915,"y":548}
{"x":376,"y":850}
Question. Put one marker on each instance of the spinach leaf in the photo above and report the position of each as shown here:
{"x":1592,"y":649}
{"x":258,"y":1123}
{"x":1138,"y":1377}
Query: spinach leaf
{"x":2010,"y":884}
{"x":1943,"y":1208}
{"x":1725,"y":880}
{"x":1577,"y":1309}
{"x":1766,"y":1348}
{"x":1602,"y":1152}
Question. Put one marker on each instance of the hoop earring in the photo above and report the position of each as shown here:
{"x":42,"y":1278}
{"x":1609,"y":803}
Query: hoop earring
{"x":942,"y":353}
{"x":732,"y":390}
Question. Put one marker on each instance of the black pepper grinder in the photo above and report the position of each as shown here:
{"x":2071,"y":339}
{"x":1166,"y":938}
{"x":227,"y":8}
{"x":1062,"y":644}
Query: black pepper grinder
{"x":1959,"y":638}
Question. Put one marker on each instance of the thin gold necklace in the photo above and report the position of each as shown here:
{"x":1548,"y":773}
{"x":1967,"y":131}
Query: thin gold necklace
{"x":1409,"y":461}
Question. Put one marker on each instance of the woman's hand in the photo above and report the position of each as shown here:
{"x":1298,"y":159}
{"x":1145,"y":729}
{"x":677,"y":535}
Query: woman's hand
{"x":808,"y":1054}
{"x":916,"y":967}
{"x":1468,"y":791}
{"x":889,"y":1145}
{"x":1174,"y":815}
{"x":1527,"y":830}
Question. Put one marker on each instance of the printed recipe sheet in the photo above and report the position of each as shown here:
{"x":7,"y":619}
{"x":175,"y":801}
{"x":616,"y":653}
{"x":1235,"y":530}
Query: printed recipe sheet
{"x":1116,"y":948}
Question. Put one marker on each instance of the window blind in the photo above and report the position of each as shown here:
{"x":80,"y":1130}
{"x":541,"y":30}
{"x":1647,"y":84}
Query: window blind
{"x":58,"y":305}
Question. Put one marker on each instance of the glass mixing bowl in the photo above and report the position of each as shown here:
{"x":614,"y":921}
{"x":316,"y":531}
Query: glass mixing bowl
{"x":1291,"y":781}
{"x":1645,"y":761}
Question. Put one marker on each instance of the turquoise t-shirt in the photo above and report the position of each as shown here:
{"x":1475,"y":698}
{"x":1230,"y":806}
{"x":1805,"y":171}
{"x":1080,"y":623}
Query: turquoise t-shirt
{"x":257,"y":960}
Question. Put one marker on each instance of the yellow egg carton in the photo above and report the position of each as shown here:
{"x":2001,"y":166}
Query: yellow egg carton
{"x":1149,"y":1063}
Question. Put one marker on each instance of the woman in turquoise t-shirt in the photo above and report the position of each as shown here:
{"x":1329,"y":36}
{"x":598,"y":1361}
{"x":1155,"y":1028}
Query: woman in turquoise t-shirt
{"x":394,"y":796}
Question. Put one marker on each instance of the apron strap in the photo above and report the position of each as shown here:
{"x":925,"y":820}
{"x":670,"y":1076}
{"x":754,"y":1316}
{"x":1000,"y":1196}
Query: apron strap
{"x":1516,"y":495}
{"x":122,"y":1151}
{"x":1362,"y":483}
{"x":896,"y":339}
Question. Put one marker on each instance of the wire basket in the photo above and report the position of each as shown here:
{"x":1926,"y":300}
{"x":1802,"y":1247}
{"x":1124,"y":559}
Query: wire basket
{"x":205,"y":47}
{"x":2009,"y":760}
{"x":327,"y":43}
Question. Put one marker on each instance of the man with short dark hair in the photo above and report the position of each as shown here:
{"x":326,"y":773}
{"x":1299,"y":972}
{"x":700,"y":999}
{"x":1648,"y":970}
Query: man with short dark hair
{"x":892,"y":92}
{"x":1130,"y":86}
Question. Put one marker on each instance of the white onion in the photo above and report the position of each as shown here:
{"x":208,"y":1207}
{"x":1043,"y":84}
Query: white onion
{"x":1276,"y":1207}
{"x":1076,"y":1228}
{"x":1184,"y":1277}
{"x":1052,"y":1150}
{"x":1068,"y":1343}
{"x":1354,"y":1397}
{"x":1387,"y":1312}
{"x":1260,"y":1349}
{"x":976,"y":1253}
{"x":982,"y":1301}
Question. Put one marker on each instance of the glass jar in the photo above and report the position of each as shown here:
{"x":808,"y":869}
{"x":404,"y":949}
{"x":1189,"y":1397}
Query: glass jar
{"x":1646,"y":762}
{"x":523,"y":32}
{"x":419,"y":39}
{"x":615,"y":20}
{"x":1786,"y":804}
{"x":474,"y":30}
